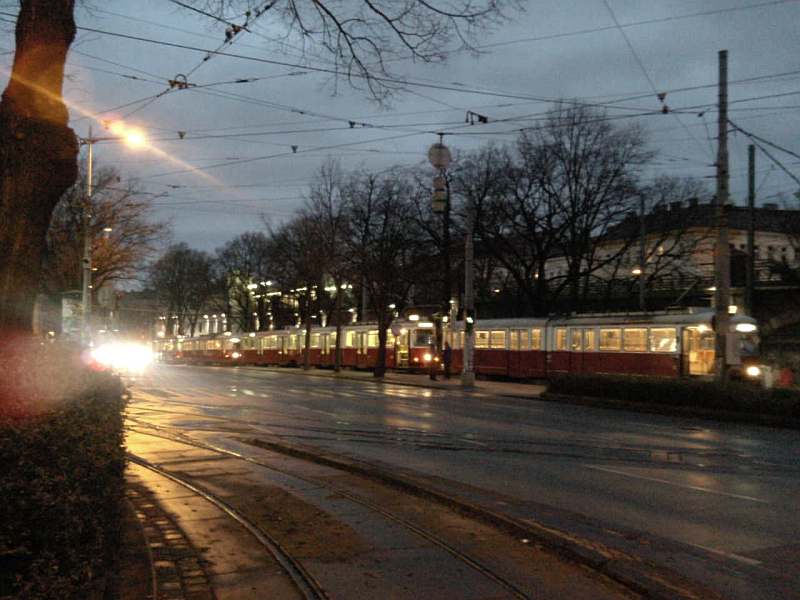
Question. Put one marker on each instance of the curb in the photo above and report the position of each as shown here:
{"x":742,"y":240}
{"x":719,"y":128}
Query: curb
{"x":642,"y":578}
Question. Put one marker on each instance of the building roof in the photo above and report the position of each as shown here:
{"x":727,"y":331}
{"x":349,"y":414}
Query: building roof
{"x":768,"y":218}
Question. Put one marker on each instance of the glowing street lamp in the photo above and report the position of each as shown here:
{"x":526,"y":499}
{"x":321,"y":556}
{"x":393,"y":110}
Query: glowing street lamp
{"x":135,"y":139}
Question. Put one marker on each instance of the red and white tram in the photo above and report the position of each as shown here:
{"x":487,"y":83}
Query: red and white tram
{"x":658,"y":344}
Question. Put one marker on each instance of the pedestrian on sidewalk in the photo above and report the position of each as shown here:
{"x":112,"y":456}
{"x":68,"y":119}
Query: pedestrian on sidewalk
{"x":447,"y":357}
{"x":433,"y":362}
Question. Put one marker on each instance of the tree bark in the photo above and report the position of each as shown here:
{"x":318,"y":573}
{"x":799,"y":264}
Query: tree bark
{"x":383,"y":323}
{"x":38,"y":153}
{"x":307,"y":353}
{"x":337,"y":360}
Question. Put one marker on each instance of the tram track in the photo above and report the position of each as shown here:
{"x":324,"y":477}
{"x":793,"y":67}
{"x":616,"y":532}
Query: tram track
{"x":707,"y":461}
{"x":305,"y":583}
{"x":300,"y":575}
{"x":626,"y":572}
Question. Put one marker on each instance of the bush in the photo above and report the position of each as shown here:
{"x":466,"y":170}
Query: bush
{"x":61,"y":487}
{"x":689,"y":393}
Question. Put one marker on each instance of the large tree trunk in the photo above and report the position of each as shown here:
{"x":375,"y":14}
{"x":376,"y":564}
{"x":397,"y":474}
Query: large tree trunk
{"x":38,"y":153}
{"x":307,"y":353}
{"x":337,"y":360}
{"x":383,"y":324}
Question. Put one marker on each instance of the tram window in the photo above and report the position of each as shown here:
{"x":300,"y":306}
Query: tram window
{"x":423,"y":338}
{"x":513,"y":340}
{"x":536,"y":339}
{"x":588,"y":340}
{"x":561,"y":338}
{"x":372,"y":339}
{"x":332,"y":339}
{"x":524,"y":342}
{"x":635,"y":339}
{"x":481,"y":339}
{"x":498,"y":340}
{"x":575,"y":340}
{"x":315,"y":340}
{"x":389,"y":338}
{"x":610,"y":339}
{"x":350,"y":339}
{"x":663,"y":339}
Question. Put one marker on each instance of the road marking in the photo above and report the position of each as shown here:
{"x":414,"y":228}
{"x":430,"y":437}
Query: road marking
{"x":680,"y":485}
{"x":732,"y":555}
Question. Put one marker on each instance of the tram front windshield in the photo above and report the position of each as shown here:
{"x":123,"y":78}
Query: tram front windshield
{"x":748,"y":344}
{"x":423,"y":337}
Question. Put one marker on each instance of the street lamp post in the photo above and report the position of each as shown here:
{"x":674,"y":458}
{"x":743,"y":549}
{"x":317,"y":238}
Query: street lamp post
{"x":439,"y":156}
{"x":468,"y":351}
{"x":134,"y":138}
{"x":86,"y":295}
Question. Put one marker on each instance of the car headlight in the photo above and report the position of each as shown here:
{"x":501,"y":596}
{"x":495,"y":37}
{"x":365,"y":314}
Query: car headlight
{"x":427,"y":357}
{"x":753,"y":371}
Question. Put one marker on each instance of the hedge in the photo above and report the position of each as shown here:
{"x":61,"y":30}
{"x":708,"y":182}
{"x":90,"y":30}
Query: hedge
{"x":685,"y":393}
{"x":61,"y":485}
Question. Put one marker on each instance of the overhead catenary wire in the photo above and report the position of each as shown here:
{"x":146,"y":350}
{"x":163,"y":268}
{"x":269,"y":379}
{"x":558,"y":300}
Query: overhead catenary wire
{"x":639,"y":62}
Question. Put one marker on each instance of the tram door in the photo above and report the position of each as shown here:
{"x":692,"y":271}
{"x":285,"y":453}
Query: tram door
{"x":698,"y":352}
{"x":401,"y":350}
{"x":576,"y":350}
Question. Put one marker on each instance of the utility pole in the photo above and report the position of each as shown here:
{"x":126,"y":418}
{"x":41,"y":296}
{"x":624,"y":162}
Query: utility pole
{"x":467,"y":370}
{"x":439,"y":156}
{"x":642,"y":253}
{"x":722,"y":261}
{"x":750,"y":273}
{"x":86,"y":285}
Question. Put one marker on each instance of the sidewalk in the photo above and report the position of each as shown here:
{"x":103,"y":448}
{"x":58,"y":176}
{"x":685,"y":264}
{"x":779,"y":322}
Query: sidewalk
{"x":481,"y":387}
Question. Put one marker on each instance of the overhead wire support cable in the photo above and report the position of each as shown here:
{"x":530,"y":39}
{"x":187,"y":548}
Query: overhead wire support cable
{"x":332,"y":71}
{"x":660,"y":95}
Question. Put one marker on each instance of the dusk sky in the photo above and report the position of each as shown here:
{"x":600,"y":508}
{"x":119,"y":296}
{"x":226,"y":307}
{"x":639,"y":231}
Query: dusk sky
{"x":568,"y":49}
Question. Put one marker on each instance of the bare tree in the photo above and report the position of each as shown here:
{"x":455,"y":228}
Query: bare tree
{"x":325,"y":212}
{"x":548,"y":198}
{"x":243,"y":263}
{"x":387,"y":251}
{"x":300,"y":268}
{"x":183,"y":281}
{"x":363,"y":37}
{"x":123,"y":237}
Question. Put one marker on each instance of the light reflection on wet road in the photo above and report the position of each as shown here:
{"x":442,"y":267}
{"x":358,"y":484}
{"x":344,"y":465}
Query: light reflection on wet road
{"x":729,"y":488}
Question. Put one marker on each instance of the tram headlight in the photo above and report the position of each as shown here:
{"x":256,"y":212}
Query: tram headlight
{"x":753,"y":371}
{"x":235,"y":355}
{"x":427,"y":357}
{"x":745,"y":327}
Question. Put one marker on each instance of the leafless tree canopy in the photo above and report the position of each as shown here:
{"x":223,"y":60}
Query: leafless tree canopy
{"x":183,"y":281}
{"x":118,"y":255}
{"x":360,"y":38}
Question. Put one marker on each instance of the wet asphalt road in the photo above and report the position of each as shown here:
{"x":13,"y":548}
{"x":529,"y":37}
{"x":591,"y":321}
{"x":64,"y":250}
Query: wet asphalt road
{"x":729,"y":489}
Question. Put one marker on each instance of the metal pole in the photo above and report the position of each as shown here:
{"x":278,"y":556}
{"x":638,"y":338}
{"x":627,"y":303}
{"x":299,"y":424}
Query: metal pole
{"x":642,"y":254}
{"x":722,"y":252}
{"x":467,"y":371}
{"x":751,"y":229}
{"x":86,"y":296}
